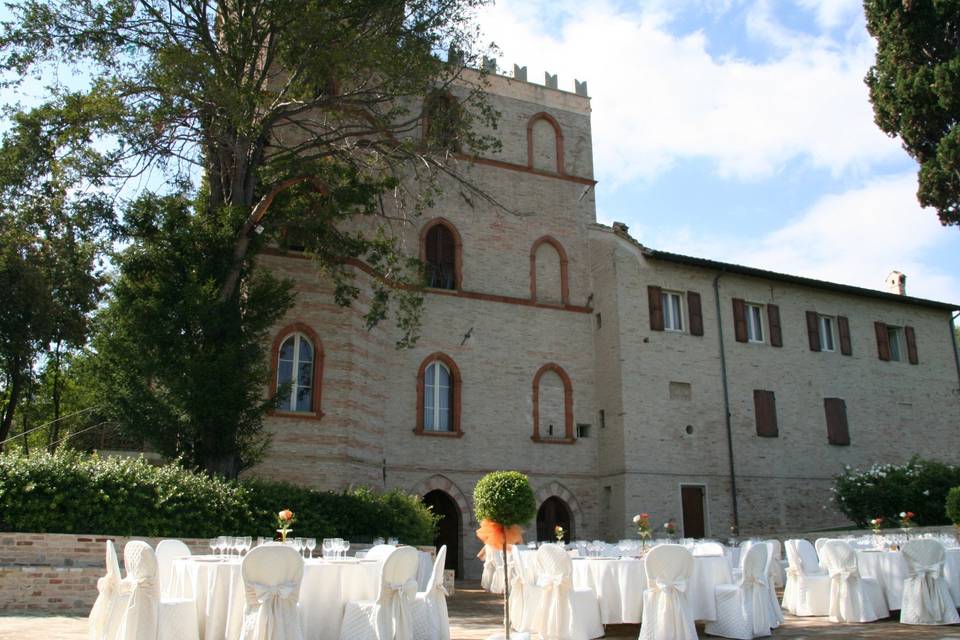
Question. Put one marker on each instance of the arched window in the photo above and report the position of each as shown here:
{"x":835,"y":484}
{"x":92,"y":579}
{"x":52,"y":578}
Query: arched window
{"x":440,"y":253}
{"x":548,"y":272}
{"x":438,"y":396}
{"x":298,"y":363}
{"x":442,"y":121}
{"x":552,"y":405}
{"x":545,"y":143}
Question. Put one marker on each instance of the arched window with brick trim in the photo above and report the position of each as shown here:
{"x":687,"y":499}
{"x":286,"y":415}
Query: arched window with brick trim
{"x":440,"y":252}
{"x":552,"y":405}
{"x":548,"y":272}
{"x":438,"y":396}
{"x":545,"y":143}
{"x":297,"y":358}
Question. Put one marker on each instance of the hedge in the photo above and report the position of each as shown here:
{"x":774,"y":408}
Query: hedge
{"x":886,"y":490}
{"x":70,"y":492}
{"x":953,"y":505}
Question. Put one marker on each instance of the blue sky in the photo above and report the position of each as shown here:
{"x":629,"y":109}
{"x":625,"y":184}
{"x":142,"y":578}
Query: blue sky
{"x":739,"y":130}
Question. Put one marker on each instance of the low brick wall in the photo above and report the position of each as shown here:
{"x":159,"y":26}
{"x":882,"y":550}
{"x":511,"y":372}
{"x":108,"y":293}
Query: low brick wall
{"x":70,"y":550}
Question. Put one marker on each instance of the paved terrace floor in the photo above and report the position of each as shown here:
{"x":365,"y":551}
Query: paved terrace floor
{"x":475,"y":614}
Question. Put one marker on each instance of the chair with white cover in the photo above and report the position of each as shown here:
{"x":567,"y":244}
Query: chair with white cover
{"x":524,"y":594}
{"x":272,"y":575}
{"x":807,"y":592}
{"x":108,"y":594}
{"x":430,"y":618}
{"x":817,"y":546}
{"x":563,"y":612}
{"x":390,"y":616}
{"x":773,"y":565}
{"x":708,"y":549}
{"x":666,"y":611}
{"x":380,"y":551}
{"x":167,"y":552}
{"x":144,"y":615}
{"x":853,"y":598}
{"x":926,"y":596}
{"x":743,"y":609}
{"x":492,"y":578}
{"x":777,"y":572}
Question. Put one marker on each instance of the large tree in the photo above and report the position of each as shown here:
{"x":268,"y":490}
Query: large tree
{"x":266,"y":118}
{"x":915,"y":90}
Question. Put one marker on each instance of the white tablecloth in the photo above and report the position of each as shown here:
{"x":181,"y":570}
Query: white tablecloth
{"x":890,"y":570}
{"x":327,"y":586}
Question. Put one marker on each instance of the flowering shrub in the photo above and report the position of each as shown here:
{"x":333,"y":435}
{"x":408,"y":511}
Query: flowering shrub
{"x":74,"y":493}
{"x":887,"y":490}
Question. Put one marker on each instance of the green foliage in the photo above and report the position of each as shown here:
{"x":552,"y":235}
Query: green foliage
{"x":72,"y":493}
{"x":915,"y":90}
{"x":886,"y":490}
{"x":504,"y":497}
{"x":953,"y":505}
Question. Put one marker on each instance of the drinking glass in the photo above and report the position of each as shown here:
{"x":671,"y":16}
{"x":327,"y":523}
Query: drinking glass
{"x":212,"y":543}
{"x":311,"y":545}
{"x":345,"y":545}
{"x":221,"y":544}
{"x":377,"y":540}
{"x":327,"y":547}
{"x":393,"y":541}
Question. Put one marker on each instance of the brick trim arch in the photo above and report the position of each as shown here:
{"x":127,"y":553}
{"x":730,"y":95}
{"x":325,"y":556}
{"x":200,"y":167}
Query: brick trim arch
{"x":457,"y":248}
{"x":567,"y":405}
{"x":448,"y":486}
{"x":457,"y":382}
{"x":564,"y":282}
{"x":554,"y":489}
{"x":543,"y":115}
{"x":318,"y":354}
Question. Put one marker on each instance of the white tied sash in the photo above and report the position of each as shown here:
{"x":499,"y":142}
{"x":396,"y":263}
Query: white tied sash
{"x":517,"y":600}
{"x":272,"y":598}
{"x":552,"y":618}
{"x":400,"y":598}
{"x":108,"y":588}
{"x":143,"y":602}
{"x":671,"y":598}
{"x":932,"y":607}
{"x":755,"y":587}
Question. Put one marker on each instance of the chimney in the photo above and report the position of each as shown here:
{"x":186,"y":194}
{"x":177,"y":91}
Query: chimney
{"x":897,"y":283}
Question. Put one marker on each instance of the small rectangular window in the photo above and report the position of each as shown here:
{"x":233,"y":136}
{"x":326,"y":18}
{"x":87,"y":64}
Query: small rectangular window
{"x":826,"y":333}
{"x":603,"y":419}
{"x":895,"y":339}
{"x":672,"y":304}
{"x":754,"y":323}
{"x":599,"y":319}
{"x":583,"y":430}
{"x":680,"y":390}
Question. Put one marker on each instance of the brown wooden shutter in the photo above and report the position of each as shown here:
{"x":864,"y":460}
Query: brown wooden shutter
{"x":739,"y":320}
{"x":843,"y":328}
{"x":813,"y":330}
{"x":911,"y":336}
{"x":765,"y":409}
{"x":656,"y":307}
{"x":883,"y":340}
{"x":695,"y":313}
{"x":776,"y":335}
{"x":837,"y":430}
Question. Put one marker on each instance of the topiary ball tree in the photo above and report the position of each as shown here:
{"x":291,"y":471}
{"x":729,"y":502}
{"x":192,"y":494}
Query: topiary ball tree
{"x":504,"y":499}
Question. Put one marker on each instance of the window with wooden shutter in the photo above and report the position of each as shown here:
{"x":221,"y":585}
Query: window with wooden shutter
{"x":440,"y":257}
{"x":911,"y":337}
{"x":765,"y":410}
{"x":883,"y":340}
{"x":776,"y":334}
{"x":838,"y":431}
{"x":740,"y":320}
{"x":656,"y":307}
{"x":695,"y":312}
{"x":843,"y":328}
{"x":813,"y":330}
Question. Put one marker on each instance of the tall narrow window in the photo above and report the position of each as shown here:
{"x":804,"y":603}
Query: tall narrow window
{"x":826,"y":333}
{"x":754,"y":323}
{"x":440,"y":257}
{"x":672,"y":311}
{"x":437,"y":398}
{"x":295,"y":369}
{"x":895,"y":340}
{"x":552,"y":405}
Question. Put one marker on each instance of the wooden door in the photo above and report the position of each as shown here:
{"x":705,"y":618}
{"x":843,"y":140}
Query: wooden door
{"x":553,"y":512}
{"x":448,"y":529}
{"x":694,"y":520}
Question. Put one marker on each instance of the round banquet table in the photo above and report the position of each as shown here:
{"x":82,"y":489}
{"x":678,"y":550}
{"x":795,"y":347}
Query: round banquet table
{"x":619,"y":585}
{"x":890,"y":570}
{"x":327,"y":586}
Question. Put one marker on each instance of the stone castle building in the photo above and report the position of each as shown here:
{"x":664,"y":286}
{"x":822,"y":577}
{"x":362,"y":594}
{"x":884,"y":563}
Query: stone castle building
{"x":619,"y":378}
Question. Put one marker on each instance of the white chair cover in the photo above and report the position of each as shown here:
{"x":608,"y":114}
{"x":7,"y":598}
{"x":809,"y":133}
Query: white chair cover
{"x":926,"y":596}
{"x":524,"y":594}
{"x":852,"y":597}
{"x":380,"y":551}
{"x":817,"y":546}
{"x":773,"y":564}
{"x":666,"y":611}
{"x":167,"y":552}
{"x":271,"y":586}
{"x":492,"y":578}
{"x":431,"y":620}
{"x":743,"y":608}
{"x":563,"y":613}
{"x":390,"y":616}
{"x":145,"y":616}
{"x":807,"y":592}
{"x":108,"y":595}
{"x":708,"y":549}
{"x":776,"y":567}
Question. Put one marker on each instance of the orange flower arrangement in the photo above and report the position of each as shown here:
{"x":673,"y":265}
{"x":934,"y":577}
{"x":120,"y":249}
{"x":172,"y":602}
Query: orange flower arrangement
{"x":284,"y":519}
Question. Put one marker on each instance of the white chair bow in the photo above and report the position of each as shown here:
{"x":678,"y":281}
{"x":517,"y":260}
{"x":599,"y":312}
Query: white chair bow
{"x":926,"y":598}
{"x":666,"y":610}
{"x":272,"y":575}
{"x":401,"y":596}
{"x":108,"y":594}
{"x":391,"y":615}
{"x":743,"y":609}
{"x":853,"y":598}
{"x":932,"y":607}
{"x":561,"y":611}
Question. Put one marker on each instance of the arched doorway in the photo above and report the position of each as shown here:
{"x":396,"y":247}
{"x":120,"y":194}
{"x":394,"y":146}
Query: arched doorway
{"x":448,"y":529}
{"x":553,"y":512}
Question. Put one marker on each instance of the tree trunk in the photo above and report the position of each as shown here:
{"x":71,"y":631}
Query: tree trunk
{"x":16,"y":386}
{"x":54,"y":432}
{"x":506,"y":588}
{"x":223,"y":464}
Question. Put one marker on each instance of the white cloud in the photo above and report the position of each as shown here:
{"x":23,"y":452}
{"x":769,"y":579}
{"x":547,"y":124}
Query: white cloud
{"x":856,"y":237}
{"x":832,"y":13}
{"x":659,"y":98}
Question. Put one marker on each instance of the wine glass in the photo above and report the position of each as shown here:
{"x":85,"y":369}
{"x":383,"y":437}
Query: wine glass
{"x":327,"y":547}
{"x":221,"y":544}
{"x":311,"y":545}
{"x":212,"y":543}
{"x":345,"y":545}
{"x":393,"y":541}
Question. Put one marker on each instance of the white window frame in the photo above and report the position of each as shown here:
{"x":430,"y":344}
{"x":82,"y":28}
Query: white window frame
{"x":755,"y":328}
{"x":672,"y":321}
{"x":436,"y":364}
{"x":896,"y":342}
{"x":826,"y":327}
{"x":294,"y":381}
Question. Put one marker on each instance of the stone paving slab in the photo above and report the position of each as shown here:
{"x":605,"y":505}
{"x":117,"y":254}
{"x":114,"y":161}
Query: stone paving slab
{"x":475,"y":615}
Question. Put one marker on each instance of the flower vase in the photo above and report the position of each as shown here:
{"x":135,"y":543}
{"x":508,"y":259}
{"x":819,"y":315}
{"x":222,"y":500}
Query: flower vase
{"x":283,"y":534}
